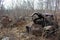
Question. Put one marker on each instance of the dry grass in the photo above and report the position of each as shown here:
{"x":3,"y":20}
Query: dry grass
{"x":19,"y":33}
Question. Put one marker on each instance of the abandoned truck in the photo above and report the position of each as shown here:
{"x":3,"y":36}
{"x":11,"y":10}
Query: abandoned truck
{"x":42,"y":25}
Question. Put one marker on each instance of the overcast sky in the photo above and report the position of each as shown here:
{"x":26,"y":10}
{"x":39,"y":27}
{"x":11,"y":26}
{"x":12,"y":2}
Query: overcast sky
{"x":8,"y":4}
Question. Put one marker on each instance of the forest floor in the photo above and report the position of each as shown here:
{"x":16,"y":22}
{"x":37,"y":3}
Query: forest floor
{"x":19,"y":33}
